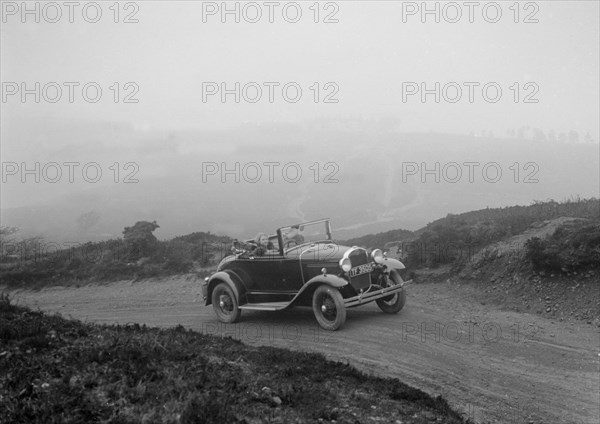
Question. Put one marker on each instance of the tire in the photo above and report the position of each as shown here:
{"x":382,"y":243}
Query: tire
{"x":328,"y":307}
{"x":225,"y":304}
{"x":394,"y":303}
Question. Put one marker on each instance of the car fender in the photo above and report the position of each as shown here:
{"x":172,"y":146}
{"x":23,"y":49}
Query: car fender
{"x":329,"y":279}
{"x":392,"y":263}
{"x":311,"y":285}
{"x":228,"y":277}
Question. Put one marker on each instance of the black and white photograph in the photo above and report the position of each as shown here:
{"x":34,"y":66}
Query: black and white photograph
{"x":305,"y":211}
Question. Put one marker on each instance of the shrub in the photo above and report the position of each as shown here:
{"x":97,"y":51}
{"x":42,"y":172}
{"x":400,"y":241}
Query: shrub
{"x":542,"y":256}
{"x":139,"y":239}
{"x":572,"y":247}
{"x":114,"y":259}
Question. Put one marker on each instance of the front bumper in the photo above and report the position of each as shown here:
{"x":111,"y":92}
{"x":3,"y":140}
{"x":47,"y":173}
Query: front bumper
{"x":374,"y":295}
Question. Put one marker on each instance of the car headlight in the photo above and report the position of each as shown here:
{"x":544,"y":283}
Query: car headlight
{"x":345,"y":264}
{"x":377,"y":256}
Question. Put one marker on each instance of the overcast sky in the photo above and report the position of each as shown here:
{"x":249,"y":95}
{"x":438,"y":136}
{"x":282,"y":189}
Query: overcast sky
{"x":368,"y":55}
{"x":354,"y":73}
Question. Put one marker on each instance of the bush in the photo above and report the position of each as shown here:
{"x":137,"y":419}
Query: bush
{"x":573,"y":246}
{"x":453,"y":239}
{"x":140,"y":240}
{"x":543,"y":257}
{"x":114,"y":259}
{"x":177,"y":265}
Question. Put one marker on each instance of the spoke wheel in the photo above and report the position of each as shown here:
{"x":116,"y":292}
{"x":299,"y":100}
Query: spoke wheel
{"x":392,"y":304}
{"x":329,"y":308}
{"x":225,"y":304}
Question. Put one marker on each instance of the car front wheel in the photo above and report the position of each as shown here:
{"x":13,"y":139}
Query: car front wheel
{"x":329,"y":308}
{"x":392,"y":304}
{"x":225,"y":304}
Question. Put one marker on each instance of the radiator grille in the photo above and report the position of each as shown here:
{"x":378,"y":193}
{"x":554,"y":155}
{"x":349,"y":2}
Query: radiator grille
{"x":359,"y":257}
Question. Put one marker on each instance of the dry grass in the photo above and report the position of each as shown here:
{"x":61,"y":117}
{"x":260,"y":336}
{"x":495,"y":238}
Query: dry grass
{"x":57,"y":370}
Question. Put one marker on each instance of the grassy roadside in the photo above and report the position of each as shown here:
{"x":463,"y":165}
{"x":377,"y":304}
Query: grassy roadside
{"x":452,"y":240}
{"x":35,"y":264}
{"x":58,"y":370}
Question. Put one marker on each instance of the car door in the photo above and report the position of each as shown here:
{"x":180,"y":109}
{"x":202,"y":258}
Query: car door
{"x":315,"y":257}
{"x":262,"y":273}
{"x":291,"y":273}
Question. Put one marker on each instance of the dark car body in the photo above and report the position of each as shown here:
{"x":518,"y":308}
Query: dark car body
{"x":297,"y":274}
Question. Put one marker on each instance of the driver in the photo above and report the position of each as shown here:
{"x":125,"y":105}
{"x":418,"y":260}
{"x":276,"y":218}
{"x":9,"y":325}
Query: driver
{"x":294,"y":234}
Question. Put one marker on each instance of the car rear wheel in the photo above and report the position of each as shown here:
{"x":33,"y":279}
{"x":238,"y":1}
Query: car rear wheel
{"x":225,"y":304}
{"x":394,"y":303}
{"x":329,"y":308}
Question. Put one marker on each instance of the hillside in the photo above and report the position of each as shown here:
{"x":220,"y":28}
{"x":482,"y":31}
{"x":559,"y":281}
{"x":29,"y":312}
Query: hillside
{"x":543,"y":258}
{"x":58,"y":370}
{"x":483,"y":226}
{"x":380,"y":239}
{"x":35,"y":263}
{"x":553,"y":269}
{"x":450,"y":241}
{"x":518,"y":217}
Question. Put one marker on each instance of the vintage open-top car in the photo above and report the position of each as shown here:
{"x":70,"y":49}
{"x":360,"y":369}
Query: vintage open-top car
{"x":303,"y":266}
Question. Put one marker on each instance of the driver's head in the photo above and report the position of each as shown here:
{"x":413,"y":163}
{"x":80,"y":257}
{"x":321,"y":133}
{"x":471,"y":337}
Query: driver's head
{"x":262,"y":239}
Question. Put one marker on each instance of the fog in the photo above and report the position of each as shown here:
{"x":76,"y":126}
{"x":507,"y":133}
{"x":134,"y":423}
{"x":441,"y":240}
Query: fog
{"x":158,"y":97}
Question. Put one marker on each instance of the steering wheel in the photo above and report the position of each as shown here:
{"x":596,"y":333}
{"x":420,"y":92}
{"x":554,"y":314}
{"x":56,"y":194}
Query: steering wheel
{"x":290,"y":243}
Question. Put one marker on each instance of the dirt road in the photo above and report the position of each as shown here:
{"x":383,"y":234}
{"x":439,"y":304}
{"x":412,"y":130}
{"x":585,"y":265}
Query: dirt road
{"x":492,"y":365}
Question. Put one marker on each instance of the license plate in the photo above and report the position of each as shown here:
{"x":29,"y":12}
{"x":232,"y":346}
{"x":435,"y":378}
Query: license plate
{"x":361,"y":269}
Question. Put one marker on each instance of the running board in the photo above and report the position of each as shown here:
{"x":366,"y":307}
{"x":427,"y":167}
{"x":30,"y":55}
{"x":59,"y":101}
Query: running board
{"x":267,"y":306}
{"x":353,"y":301}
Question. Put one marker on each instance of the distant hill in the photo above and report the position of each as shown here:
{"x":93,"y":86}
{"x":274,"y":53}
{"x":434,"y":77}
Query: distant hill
{"x":367,"y":180}
{"x":35,"y":262}
{"x":379,"y":240}
{"x":524,"y":215}
{"x":475,"y":229}
{"x":455,"y":238}
{"x":451,"y":240}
